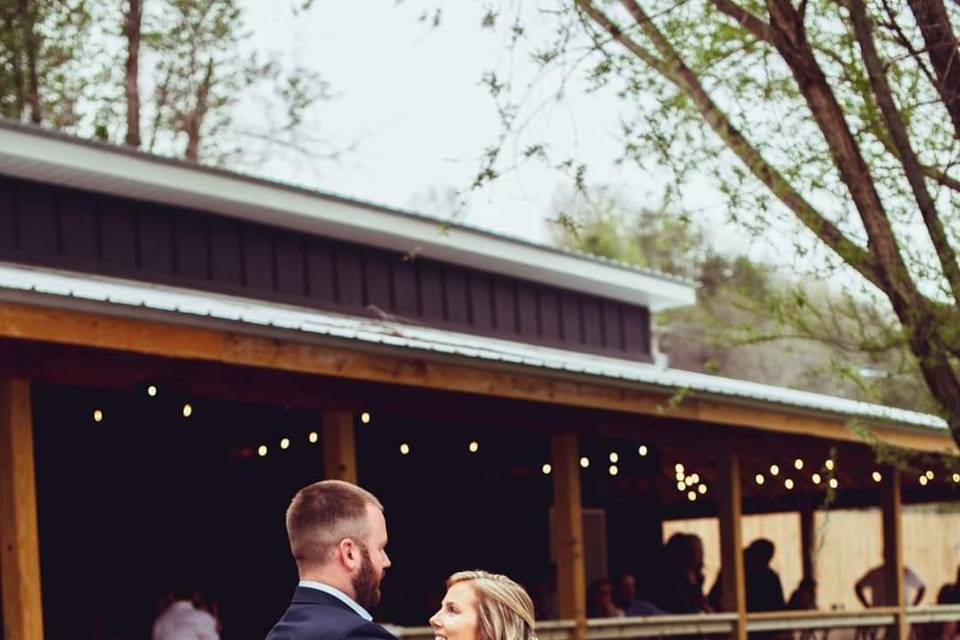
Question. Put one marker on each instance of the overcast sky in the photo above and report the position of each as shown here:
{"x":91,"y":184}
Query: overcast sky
{"x":412,"y":97}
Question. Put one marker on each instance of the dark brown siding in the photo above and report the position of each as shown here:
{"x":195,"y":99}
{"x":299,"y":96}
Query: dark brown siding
{"x":97,"y":234}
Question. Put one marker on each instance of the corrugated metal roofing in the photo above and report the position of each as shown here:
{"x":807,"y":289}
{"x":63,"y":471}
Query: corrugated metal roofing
{"x":125,"y":297}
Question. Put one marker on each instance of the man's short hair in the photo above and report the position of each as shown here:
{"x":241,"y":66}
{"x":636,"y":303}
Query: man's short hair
{"x":321,"y":515}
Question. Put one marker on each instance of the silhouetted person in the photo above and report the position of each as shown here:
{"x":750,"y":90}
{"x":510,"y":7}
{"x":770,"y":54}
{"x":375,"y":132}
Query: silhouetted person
{"x":804,"y":597}
{"x":681,"y":588}
{"x":600,"y":600}
{"x":875,"y":581}
{"x":764,"y":590}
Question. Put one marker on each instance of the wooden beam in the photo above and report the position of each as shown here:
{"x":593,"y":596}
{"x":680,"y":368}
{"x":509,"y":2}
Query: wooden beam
{"x":731,"y":541}
{"x":339,"y":449}
{"x":291,"y":352}
{"x":893,"y":553}
{"x":19,"y":544}
{"x":808,"y":542}
{"x":568,"y":532}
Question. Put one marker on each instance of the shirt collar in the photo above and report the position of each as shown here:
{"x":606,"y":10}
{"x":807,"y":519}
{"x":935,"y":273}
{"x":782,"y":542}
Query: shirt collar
{"x":339,"y":595}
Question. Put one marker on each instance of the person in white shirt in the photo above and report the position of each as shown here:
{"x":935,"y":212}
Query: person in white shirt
{"x":874,"y":580}
{"x":182,"y":620}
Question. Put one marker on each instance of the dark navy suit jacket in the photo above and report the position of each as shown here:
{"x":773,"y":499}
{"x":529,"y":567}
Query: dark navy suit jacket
{"x":315,"y":615}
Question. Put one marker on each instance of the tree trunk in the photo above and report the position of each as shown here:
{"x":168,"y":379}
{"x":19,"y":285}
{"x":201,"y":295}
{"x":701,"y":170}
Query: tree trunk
{"x":28,"y":15}
{"x":194,"y":120}
{"x":942,"y":49}
{"x":133,"y":21}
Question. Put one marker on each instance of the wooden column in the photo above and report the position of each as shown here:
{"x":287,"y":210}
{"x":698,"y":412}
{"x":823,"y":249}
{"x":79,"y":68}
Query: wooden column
{"x":808,"y":542}
{"x":339,"y":448}
{"x":893,"y":553}
{"x":568,"y":532}
{"x":731,"y":541}
{"x":19,"y":545}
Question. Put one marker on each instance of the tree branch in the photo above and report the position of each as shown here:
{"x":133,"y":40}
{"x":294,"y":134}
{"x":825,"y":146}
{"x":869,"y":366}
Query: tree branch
{"x":757,"y":27}
{"x":904,"y":151}
{"x":943,"y":51}
{"x":673,"y":69}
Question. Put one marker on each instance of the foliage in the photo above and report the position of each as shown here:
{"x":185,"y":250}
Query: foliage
{"x":834,"y":121}
{"x":198,"y":66}
{"x":750,"y":321}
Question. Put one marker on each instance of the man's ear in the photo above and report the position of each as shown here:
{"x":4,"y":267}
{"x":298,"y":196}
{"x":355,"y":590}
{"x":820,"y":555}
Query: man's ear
{"x":349,"y":554}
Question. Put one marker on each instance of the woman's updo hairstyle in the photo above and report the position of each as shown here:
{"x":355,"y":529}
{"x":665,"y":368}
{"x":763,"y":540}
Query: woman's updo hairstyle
{"x":504,"y":610}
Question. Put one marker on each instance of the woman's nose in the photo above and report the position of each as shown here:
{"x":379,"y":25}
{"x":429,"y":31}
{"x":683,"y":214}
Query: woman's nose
{"x":434,"y":622}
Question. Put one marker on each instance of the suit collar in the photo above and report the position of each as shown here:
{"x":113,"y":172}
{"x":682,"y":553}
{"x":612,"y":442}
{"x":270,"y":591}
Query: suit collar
{"x":318,"y":593}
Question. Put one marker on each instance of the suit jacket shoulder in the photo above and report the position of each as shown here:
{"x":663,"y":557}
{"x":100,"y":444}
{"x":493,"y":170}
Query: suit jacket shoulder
{"x":315,"y":615}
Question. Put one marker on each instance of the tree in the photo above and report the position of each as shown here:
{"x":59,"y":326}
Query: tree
{"x":750,"y":321}
{"x":173,"y":74}
{"x":841,"y":117}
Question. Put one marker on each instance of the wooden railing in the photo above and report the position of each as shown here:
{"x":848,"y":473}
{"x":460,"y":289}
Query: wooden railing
{"x":722,"y":623}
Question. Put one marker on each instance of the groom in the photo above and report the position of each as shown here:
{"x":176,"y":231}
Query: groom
{"x":338,"y":538}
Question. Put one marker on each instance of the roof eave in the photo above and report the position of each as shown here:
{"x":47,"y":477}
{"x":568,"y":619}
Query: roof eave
{"x":68,"y":162}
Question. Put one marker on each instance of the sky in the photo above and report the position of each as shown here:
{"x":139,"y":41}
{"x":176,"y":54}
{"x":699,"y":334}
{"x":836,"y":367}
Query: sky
{"x":411,"y":99}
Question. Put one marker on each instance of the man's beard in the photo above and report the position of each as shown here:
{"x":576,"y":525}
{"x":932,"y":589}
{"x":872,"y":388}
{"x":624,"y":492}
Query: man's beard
{"x":366,"y":584}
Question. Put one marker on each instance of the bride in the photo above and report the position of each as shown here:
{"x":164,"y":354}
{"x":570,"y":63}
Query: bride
{"x":484,"y":606}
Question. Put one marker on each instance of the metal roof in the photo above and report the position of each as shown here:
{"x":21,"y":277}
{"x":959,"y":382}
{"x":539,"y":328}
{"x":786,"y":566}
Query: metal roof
{"x":53,"y":157}
{"x":128,"y":298}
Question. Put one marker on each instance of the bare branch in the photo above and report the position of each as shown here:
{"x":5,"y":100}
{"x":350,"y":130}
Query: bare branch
{"x":901,"y":139}
{"x":673,"y":69}
{"x":943,"y":51}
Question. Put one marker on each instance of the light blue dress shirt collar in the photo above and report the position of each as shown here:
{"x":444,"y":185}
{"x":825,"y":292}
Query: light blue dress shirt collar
{"x":340,"y":595}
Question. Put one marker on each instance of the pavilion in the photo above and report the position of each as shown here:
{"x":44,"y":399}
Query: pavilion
{"x":182,"y":347}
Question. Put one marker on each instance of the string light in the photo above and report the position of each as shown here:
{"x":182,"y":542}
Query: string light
{"x":152,"y":391}
{"x":365,"y":418}
{"x":404,"y":448}
{"x":681,"y":485}
{"x":691,"y":496}
{"x":774,"y":470}
{"x":923,"y":481}
{"x":788,"y":483}
{"x":474,"y":446}
{"x":929,"y":474}
{"x":956,"y":477}
{"x":678,"y":468}
{"x":798,"y":464}
{"x":97,"y":415}
{"x":833,"y":483}
{"x":829,"y":464}
{"x":614,"y":456}
{"x":546,"y":469}
{"x":759,"y":478}
{"x":680,"y":476}
{"x":702,"y":489}
{"x":187,"y":410}
{"x":285,"y":443}
{"x":642,"y":450}
{"x":262,"y":450}
{"x":584,"y":462}
{"x":816,"y":478}
{"x":313,"y":437}
{"x":688,"y":481}
{"x":695,"y":477}
{"x":876,"y":476}
{"x":613,"y":470}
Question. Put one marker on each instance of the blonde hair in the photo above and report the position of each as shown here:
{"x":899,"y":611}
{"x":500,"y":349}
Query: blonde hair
{"x":321,"y":515}
{"x":504,"y":610}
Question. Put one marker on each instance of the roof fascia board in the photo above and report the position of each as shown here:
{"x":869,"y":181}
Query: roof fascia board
{"x":71,"y":163}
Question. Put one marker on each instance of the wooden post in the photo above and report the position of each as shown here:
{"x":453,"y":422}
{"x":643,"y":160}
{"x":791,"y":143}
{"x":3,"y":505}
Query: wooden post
{"x":893,"y":553}
{"x":19,"y":545}
{"x":731,"y":542}
{"x":808,"y":542}
{"x":568,"y":532}
{"x":339,"y":448}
